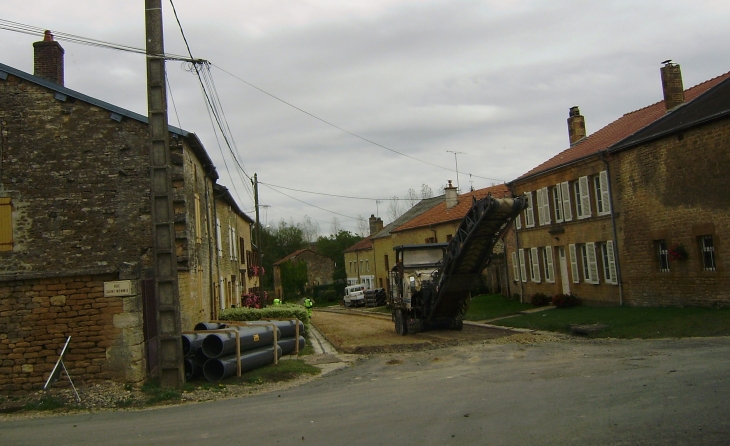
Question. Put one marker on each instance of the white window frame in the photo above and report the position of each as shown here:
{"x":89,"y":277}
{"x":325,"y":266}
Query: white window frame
{"x":549,"y":265}
{"x":529,"y":212}
{"x":515,"y":267}
{"x":557,"y":198}
{"x":590,"y":263}
{"x":574,"y":263}
{"x":565,"y":194}
{"x":663,"y":254}
{"x":534,"y":266}
{"x":518,"y":222}
{"x":708,"y":251}
{"x":523,"y":270}
{"x":543,"y":206}
{"x":583,"y":198}
{"x":609,"y":262}
{"x":219,"y":244}
{"x":603,"y":198}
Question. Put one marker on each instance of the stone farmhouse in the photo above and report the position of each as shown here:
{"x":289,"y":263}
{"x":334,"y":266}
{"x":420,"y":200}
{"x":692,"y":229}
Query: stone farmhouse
{"x":592,"y":207}
{"x":319,"y":269}
{"x":360,"y":258}
{"x":76,"y":233}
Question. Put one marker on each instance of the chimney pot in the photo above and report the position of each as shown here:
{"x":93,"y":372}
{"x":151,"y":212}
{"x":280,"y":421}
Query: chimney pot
{"x":576,"y":126}
{"x":672,"y":86}
{"x":48,"y":59}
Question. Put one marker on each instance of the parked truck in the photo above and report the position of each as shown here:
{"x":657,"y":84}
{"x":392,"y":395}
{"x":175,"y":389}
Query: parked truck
{"x":430,"y":284}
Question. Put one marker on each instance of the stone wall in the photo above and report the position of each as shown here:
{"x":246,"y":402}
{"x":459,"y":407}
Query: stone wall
{"x":675,"y":189}
{"x":37,"y":316}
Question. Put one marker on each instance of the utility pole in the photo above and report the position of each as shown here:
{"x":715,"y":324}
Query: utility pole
{"x":255,"y":182}
{"x":169,"y":366}
{"x":458,"y":186}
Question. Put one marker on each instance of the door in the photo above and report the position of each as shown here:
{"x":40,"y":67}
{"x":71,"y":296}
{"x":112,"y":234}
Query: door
{"x":564,"y":270}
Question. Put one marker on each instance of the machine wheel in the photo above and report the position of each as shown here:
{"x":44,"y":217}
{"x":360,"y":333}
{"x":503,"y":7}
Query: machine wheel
{"x":415,"y":326}
{"x":456,"y":324}
{"x":401,"y":326}
{"x":344,"y":303}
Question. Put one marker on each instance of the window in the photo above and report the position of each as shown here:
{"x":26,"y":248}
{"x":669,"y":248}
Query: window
{"x":6,"y":224}
{"x":708,"y":253}
{"x":663,"y":252}
{"x":574,"y":263}
{"x":529,"y":213}
{"x":523,"y":271}
{"x":582,"y":198}
{"x":367,"y":265}
{"x":534,"y":266}
{"x":549,"y":267}
{"x":590,"y":265}
{"x":565,"y":195}
{"x":242,"y":248}
{"x":449,"y":237}
{"x":431,"y":240}
{"x":518,"y":222}
{"x":557,"y":204}
{"x":387,"y":266}
{"x":543,"y":206}
{"x":515,"y":267}
{"x":609,"y":262}
{"x":350,"y":265}
{"x":361,"y":268}
{"x":603,"y":200}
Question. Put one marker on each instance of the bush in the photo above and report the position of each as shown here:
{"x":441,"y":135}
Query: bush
{"x":566,"y":300}
{"x":286,"y":311}
{"x":540,"y":299}
{"x":328,"y":295}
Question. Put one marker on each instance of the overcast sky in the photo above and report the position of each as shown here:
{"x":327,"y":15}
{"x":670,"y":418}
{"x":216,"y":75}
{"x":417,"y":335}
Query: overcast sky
{"x":492,"y":79}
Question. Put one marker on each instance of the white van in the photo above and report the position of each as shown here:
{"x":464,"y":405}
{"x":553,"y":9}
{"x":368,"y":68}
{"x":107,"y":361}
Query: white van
{"x":354,"y":295}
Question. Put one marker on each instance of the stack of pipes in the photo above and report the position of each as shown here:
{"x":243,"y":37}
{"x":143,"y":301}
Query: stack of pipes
{"x":219,"y":350}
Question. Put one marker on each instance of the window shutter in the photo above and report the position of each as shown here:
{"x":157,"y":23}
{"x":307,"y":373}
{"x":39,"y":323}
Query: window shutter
{"x":574,"y":263}
{"x":6,"y":224}
{"x":535,"y":265}
{"x":540,"y":216}
{"x":198,"y":220}
{"x":605,"y":196}
{"x":518,"y":222}
{"x":546,"y":205}
{"x":592,"y":264}
{"x":565,"y":194}
{"x":558,"y":203}
{"x":522,"y":265}
{"x":549,"y":268}
{"x":529,"y":213}
{"x":585,"y":198}
{"x":515,"y":267}
{"x":611,"y":263}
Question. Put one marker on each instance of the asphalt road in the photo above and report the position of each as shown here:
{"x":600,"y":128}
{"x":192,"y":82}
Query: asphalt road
{"x":662,"y":392}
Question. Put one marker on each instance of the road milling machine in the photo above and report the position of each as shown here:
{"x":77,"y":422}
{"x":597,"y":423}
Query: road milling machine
{"x":430,"y":284}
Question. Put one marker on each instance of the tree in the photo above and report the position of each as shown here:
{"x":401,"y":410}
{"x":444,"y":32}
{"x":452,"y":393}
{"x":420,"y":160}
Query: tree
{"x":335,"y":226}
{"x":411,"y":198}
{"x":426,"y":191}
{"x":363,"y":227}
{"x":293,"y":278}
{"x":395,"y":208}
{"x":333,"y":247}
{"x":277,"y":243}
{"x":310,"y":229}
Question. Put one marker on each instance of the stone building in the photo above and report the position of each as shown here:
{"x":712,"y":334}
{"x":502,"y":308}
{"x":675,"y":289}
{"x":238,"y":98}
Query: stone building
{"x":569,"y":239}
{"x":76,"y":231}
{"x":319,"y":269}
{"x":670,"y":189}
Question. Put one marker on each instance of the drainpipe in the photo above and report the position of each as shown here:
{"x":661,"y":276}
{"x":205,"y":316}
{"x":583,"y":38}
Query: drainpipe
{"x":615,"y":236}
{"x":517,"y":247}
{"x":211,"y":283}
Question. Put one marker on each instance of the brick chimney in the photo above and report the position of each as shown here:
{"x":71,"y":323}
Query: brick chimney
{"x":672,"y":85}
{"x":48,"y":59}
{"x":576,"y":126}
{"x":376,"y":224}
{"x":450,"y":195}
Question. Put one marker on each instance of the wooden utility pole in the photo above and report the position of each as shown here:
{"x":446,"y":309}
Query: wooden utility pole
{"x":255,"y":182}
{"x":169,"y":367}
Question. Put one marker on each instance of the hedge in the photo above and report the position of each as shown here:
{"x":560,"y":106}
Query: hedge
{"x":285,"y":311}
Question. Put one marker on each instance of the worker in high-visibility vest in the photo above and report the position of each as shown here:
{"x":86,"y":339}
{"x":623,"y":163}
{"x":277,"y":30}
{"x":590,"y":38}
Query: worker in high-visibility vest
{"x":308,"y":304}
{"x":277,"y":301}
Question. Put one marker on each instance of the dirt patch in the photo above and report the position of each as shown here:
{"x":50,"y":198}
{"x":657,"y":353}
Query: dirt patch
{"x":353,"y":332}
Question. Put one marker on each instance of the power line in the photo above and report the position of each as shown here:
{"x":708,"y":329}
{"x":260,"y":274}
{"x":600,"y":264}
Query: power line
{"x":328,"y":195}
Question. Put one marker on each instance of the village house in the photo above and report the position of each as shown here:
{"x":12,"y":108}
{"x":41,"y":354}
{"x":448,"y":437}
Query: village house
{"x":570,"y":237}
{"x":319,"y":270}
{"x":360,"y":258}
{"x":76,"y":233}
{"x":670,"y":189}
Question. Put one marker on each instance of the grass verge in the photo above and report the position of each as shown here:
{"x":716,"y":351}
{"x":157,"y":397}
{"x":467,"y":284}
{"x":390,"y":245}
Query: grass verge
{"x":284,"y":371}
{"x":630,"y":322}
{"x":490,"y":306}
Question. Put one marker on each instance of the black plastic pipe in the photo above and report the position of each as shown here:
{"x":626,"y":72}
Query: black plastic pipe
{"x":216,"y":345}
{"x":288,"y":345}
{"x":192,"y":369}
{"x":200,"y":326}
{"x":191,"y":342}
{"x":216,"y":369}
{"x":288,"y":328}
